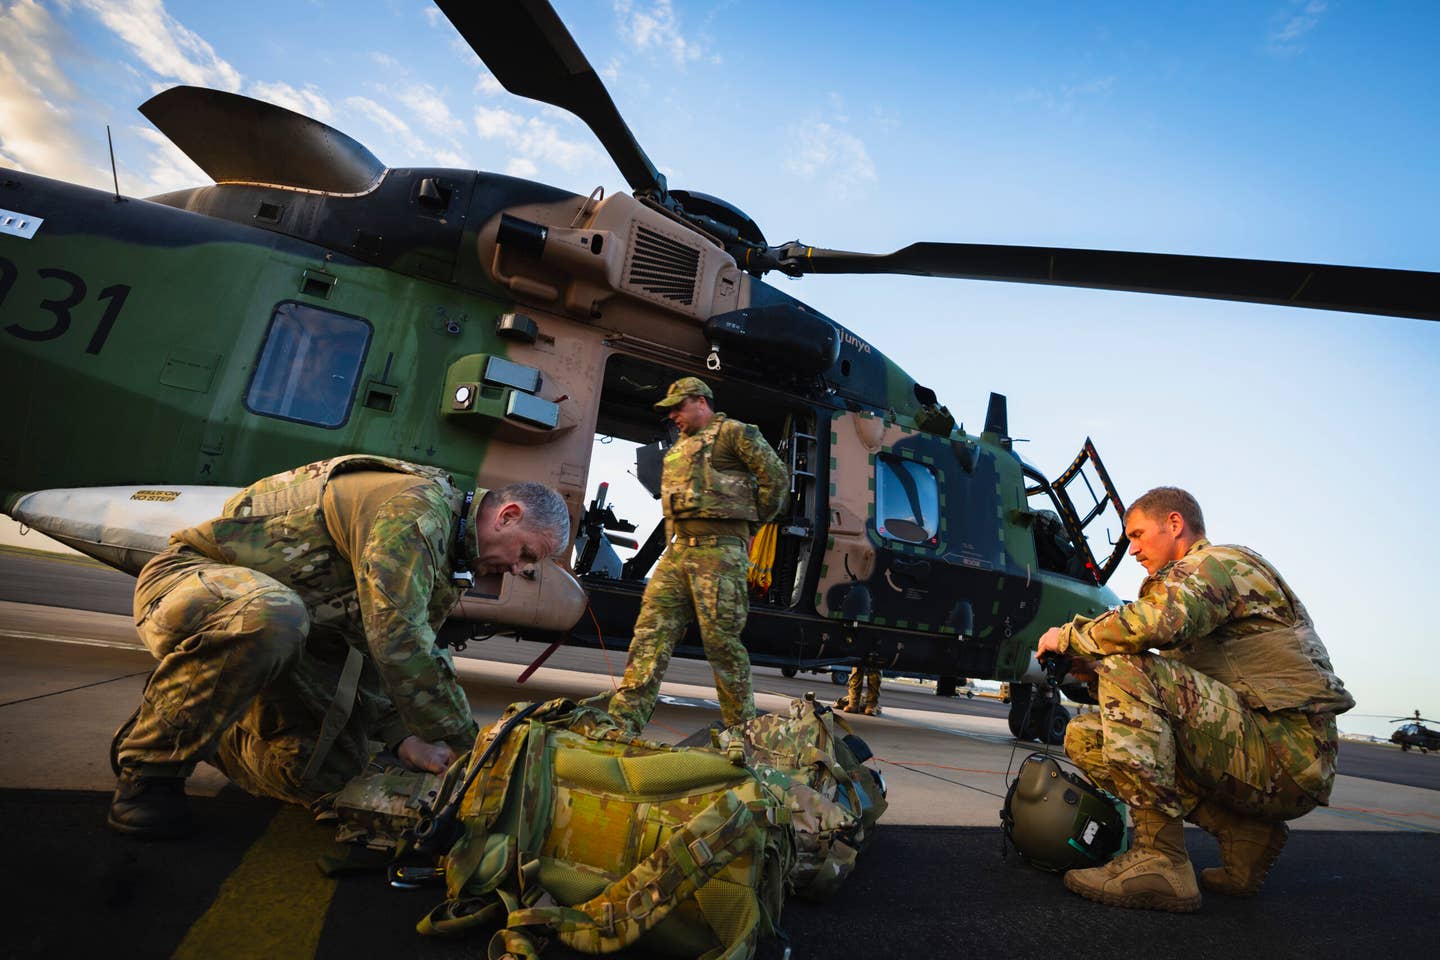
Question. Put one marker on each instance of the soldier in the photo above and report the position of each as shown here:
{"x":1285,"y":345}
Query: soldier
{"x":300,"y":624}
{"x":1230,"y":725}
{"x":863,"y":694}
{"x":720,"y":481}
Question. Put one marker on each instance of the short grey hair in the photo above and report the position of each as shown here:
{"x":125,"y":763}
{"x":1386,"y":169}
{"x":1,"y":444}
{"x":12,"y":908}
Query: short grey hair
{"x":545,"y":510}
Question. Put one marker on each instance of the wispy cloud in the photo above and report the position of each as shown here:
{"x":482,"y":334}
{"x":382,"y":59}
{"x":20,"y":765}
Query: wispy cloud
{"x":310,"y":101}
{"x":818,"y":149}
{"x":163,"y":44}
{"x":167,"y":168}
{"x":531,"y":141}
{"x":1293,"y":24}
{"x":379,"y":115}
{"x":1068,"y":96}
{"x":427,"y":105}
{"x":36,"y":98}
{"x":654,"y":27}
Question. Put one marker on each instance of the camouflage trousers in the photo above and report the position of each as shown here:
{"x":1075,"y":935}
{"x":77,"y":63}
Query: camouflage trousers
{"x":704,"y":584}
{"x":1168,"y":737}
{"x":228,"y":640}
{"x":864,"y":689}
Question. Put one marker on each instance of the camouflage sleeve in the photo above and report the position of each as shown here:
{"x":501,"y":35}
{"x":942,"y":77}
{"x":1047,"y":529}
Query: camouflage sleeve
{"x":1192,"y":598}
{"x":772,"y":480}
{"x":395,"y":577}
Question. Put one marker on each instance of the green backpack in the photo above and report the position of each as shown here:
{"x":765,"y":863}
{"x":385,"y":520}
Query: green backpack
{"x":558,"y":824}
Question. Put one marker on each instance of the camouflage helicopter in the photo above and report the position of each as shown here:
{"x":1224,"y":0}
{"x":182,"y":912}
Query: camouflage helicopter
{"x":1414,"y":733}
{"x":313,"y":302}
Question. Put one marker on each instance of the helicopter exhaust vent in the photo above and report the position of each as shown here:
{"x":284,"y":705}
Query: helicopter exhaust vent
{"x":663,"y":267}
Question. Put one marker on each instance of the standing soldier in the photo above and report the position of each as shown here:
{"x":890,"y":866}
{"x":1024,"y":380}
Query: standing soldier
{"x":721,"y":480}
{"x":1230,"y":725}
{"x":863,"y":694}
{"x":300,"y":624}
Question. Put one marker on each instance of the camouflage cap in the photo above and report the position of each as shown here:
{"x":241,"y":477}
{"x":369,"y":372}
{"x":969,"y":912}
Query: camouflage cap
{"x":682,"y":388}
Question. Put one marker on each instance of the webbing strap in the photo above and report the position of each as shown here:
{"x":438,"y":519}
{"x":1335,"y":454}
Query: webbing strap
{"x":638,"y":901}
{"x":336,"y":715}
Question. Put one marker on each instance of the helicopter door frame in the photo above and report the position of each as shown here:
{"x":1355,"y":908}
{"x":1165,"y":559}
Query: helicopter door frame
{"x":1070,"y":516}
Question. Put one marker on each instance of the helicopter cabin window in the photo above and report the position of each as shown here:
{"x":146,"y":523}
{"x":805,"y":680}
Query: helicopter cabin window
{"x":907,"y":500}
{"x":309,"y":365}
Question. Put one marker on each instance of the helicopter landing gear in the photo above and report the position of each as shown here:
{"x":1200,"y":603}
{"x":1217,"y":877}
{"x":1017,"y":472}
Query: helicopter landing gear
{"x":788,"y":672}
{"x":1030,"y":712}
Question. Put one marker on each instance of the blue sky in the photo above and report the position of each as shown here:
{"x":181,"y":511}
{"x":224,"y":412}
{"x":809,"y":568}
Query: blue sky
{"x":1287,"y":130}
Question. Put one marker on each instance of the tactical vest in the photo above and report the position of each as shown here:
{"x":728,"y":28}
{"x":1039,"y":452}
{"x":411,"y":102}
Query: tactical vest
{"x":1286,"y":668}
{"x":692,"y":487}
{"x":277,"y":526}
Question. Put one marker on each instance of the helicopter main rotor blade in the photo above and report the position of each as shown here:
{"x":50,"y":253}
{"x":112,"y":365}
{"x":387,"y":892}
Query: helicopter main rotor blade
{"x":1395,"y":293}
{"x":530,"y":52}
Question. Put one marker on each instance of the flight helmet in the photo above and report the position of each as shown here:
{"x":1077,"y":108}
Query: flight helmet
{"x":1058,"y":820}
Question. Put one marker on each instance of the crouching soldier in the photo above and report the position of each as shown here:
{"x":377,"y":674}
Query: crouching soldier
{"x":300,"y":625}
{"x":1217,"y":705}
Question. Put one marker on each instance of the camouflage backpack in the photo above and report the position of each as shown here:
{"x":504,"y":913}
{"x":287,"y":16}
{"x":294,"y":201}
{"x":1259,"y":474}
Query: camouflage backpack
{"x":560,"y":825}
{"x":810,"y":757}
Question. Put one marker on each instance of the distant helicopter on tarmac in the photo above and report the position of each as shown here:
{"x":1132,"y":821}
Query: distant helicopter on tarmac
{"x":1414,"y":733}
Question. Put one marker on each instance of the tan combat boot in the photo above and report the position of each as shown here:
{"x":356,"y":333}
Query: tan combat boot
{"x":1249,"y":847}
{"x":1155,"y":874}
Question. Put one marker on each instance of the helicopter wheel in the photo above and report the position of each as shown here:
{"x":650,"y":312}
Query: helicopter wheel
{"x":1019,"y":702}
{"x":788,"y":672}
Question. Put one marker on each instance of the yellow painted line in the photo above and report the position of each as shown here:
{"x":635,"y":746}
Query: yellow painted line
{"x":273,"y":904}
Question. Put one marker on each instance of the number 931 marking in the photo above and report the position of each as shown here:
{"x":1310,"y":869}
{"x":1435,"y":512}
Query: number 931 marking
{"x":70,"y":292}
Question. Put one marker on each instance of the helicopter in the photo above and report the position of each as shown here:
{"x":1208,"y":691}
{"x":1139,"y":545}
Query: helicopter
{"x":314,"y":301}
{"x":1414,"y":733}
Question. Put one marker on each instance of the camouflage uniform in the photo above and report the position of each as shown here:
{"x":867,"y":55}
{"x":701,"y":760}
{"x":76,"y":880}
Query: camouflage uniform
{"x":299,"y":625}
{"x":716,"y":484}
{"x":1238,"y":706}
{"x":863,"y":694}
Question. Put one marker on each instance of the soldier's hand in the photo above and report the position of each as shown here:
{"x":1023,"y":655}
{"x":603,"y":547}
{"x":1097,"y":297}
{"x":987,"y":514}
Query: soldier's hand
{"x":1049,"y":642}
{"x":419,"y":754}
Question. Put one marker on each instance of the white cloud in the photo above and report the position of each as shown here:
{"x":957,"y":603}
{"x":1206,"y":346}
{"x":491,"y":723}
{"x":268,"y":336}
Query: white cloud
{"x":163,"y":44}
{"x":820,"y":151}
{"x":1302,"y":17}
{"x":531,"y":141}
{"x":382,"y":118}
{"x":494,"y":123}
{"x":653,"y":25}
{"x":1070,"y":95}
{"x":35,"y":95}
{"x":520,"y":167}
{"x":488,"y":85}
{"x":309,"y":101}
{"x":168,"y":169}
{"x":427,"y":105}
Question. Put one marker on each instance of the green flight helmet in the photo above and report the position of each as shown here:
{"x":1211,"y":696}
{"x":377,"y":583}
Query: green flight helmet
{"x":1058,"y":820}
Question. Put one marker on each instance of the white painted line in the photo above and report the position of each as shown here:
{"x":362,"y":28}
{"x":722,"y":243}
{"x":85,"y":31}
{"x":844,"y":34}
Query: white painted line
{"x":81,"y":641}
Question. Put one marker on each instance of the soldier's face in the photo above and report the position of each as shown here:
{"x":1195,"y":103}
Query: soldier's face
{"x":1154,"y":541}
{"x":691,"y":414}
{"x":507,"y":544}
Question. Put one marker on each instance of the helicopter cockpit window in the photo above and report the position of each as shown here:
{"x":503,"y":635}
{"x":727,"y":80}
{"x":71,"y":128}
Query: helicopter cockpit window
{"x":907,"y":500}
{"x":309,"y":365}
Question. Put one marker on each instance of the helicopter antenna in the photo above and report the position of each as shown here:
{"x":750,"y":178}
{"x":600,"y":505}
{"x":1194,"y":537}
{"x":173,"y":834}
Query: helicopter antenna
{"x":113,"y":173}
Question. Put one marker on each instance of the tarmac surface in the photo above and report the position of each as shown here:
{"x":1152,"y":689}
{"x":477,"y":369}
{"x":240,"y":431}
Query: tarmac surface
{"x":1361,"y":874}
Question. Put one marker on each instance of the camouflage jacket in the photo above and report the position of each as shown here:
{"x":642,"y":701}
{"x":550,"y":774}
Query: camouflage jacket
{"x":1225,"y":611}
{"x":387,"y":603}
{"x":725,"y":471}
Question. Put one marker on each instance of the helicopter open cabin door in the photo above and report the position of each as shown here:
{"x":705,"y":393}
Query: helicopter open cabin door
{"x":1067,"y":547}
